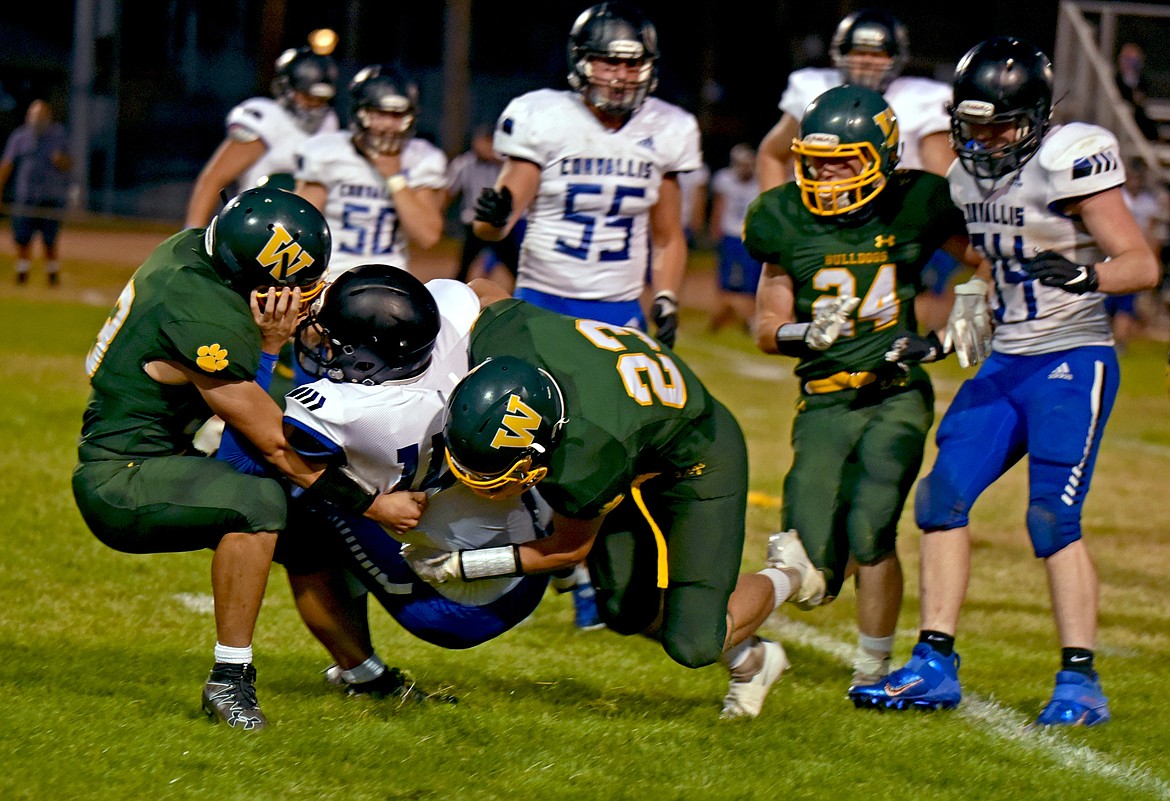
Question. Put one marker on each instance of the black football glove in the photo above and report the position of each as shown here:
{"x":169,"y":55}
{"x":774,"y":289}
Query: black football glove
{"x":664,"y":313}
{"x":911,"y":348}
{"x":494,"y":208}
{"x":1052,"y":269}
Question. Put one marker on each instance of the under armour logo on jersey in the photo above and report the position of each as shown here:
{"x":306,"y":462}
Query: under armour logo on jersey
{"x":1095,"y":164}
{"x":310,"y":398}
{"x":647,"y":143}
{"x":1062,"y":372}
{"x":880,"y":241}
{"x":518,"y":426}
{"x":282,"y":255}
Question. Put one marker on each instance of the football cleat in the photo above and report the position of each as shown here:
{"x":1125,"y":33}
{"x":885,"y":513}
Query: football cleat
{"x":1076,"y":701}
{"x":393,"y":683}
{"x":785,"y":551}
{"x":745,"y":699}
{"x":585,"y":614}
{"x":230,"y":695}
{"x":928,"y":681}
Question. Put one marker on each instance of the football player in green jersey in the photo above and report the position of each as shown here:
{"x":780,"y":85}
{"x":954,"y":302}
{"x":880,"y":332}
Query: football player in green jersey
{"x":646,"y":472}
{"x":184,"y":341}
{"x":843,"y":249}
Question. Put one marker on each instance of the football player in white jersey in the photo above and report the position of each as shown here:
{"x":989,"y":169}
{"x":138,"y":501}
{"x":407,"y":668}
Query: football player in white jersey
{"x":869,"y":48}
{"x":380,"y":187}
{"x":388,"y":350}
{"x":1044,"y":205}
{"x":263,"y":134}
{"x":596,"y":169}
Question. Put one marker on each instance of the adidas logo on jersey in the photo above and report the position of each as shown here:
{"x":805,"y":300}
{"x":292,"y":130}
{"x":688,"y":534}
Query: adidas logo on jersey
{"x":647,"y":143}
{"x":1062,"y":372}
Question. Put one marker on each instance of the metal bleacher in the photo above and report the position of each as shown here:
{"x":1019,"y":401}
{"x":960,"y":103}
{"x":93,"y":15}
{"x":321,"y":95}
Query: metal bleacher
{"x":1088,"y":35}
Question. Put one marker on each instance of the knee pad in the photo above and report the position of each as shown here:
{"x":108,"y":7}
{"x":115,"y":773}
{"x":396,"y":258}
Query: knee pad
{"x":1052,"y":525}
{"x":690,"y":653}
{"x":938,"y":505}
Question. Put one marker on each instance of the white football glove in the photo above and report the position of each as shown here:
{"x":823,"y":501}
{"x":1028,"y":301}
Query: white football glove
{"x":827,"y":321}
{"x":431,"y":565}
{"x":969,"y":326}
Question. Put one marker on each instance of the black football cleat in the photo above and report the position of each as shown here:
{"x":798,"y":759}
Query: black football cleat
{"x":395,"y":684}
{"x":230,"y":695}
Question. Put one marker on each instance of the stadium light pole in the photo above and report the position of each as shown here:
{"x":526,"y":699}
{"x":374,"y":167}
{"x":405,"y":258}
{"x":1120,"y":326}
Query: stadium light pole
{"x":456,"y":75}
{"x":81,"y":95}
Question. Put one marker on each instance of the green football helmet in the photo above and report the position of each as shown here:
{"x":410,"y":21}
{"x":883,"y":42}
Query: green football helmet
{"x":843,"y":123}
{"x":503,"y":420}
{"x":266,"y":237}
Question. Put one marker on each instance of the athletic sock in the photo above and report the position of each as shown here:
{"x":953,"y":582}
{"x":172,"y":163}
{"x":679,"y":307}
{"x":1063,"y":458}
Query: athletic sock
{"x":369,"y":670}
{"x":1079,"y":660}
{"x":781,"y":585}
{"x":943,"y":643}
{"x":232,"y":655}
{"x":744,"y":660}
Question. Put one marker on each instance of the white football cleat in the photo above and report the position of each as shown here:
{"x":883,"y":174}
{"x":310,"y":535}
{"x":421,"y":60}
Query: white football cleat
{"x":745,"y":699}
{"x":785,"y":551}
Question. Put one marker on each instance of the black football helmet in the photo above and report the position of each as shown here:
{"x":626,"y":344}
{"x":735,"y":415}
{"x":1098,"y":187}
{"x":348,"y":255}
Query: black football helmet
{"x":613,"y":31}
{"x":375,"y":324}
{"x":844,"y":122}
{"x":1001,"y":81}
{"x":870,"y":31}
{"x":299,"y":69}
{"x":503,"y":421}
{"x":383,"y":88}
{"x":266,"y":237}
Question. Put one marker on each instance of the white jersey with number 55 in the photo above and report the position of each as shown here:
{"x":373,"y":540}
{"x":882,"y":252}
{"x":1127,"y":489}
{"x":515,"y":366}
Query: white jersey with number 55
{"x":359,"y":208}
{"x":588,"y":233}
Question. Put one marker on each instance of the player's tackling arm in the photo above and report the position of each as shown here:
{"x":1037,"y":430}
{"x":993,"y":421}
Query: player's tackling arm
{"x":775,"y":306}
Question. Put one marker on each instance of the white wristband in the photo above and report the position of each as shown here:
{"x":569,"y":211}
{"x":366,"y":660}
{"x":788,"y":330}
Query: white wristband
{"x":483,"y":563}
{"x":396,"y":183}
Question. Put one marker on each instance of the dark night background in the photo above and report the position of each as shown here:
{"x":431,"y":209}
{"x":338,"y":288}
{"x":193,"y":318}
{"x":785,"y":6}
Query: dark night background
{"x":169,"y":70}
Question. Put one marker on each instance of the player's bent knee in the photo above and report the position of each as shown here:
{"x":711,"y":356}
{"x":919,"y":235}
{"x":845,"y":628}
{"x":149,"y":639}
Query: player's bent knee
{"x":692,"y":652}
{"x":938,"y":506}
{"x":1052,"y":526}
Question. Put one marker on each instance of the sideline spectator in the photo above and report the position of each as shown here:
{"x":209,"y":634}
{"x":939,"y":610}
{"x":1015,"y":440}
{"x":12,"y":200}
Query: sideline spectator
{"x":37,"y":154}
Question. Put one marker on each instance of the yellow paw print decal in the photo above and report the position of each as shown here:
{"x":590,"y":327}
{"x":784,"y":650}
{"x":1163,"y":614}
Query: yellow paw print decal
{"x":211,"y":358}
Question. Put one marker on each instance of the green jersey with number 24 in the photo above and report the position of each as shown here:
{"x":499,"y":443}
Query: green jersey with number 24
{"x":878,"y":258}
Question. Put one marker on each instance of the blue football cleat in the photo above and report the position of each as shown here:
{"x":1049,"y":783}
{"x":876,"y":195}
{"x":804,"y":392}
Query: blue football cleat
{"x":1076,"y":701}
{"x":928,"y":681}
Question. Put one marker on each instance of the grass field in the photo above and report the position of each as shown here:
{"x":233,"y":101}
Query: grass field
{"x":104,"y":654}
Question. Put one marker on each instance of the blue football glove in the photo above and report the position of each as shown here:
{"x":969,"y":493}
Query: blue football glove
{"x":1052,"y":269}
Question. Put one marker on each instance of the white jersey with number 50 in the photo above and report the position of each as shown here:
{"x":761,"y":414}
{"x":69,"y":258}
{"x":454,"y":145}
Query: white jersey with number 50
{"x":1011,"y":220}
{"x":359,"y":207}
{"x":588,"y":234}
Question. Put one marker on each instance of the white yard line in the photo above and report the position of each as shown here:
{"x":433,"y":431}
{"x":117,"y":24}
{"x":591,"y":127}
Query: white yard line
{"x":1001,"y":722}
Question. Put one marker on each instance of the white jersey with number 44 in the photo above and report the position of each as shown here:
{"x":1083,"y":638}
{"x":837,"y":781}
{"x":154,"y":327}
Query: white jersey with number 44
{"x":588,"y":234}
{"x":1012,"y":219}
